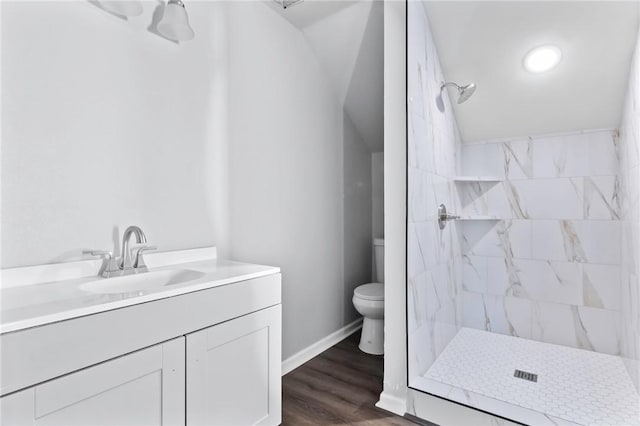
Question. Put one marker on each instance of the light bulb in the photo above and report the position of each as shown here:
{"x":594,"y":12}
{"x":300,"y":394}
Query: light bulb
{"x":543,"y":58}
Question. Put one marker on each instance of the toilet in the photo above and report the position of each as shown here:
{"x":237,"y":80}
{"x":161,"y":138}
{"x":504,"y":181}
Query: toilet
{"x":368,"y":299}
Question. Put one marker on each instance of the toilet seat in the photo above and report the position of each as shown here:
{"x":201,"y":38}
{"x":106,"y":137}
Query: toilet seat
{"x":371,"y":291}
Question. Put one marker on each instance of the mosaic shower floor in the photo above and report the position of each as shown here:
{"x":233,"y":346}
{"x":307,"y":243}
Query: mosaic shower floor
{"x":573,"y":386}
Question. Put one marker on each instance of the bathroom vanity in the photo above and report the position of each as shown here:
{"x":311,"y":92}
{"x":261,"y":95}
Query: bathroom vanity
{"x":197,"y":343}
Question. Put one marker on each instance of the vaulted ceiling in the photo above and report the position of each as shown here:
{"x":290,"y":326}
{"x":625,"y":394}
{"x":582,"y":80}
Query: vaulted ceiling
{"x":347,"y":37}
{"x":485,"y":42}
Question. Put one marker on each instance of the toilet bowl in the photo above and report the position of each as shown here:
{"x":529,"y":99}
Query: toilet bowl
{"x":368,"y":299}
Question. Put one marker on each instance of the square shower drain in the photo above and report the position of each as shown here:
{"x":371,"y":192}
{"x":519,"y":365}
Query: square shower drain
{"x":525,"y":375}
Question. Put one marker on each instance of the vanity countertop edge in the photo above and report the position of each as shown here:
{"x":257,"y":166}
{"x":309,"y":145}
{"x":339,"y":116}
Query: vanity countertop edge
{"x":22,"y":285}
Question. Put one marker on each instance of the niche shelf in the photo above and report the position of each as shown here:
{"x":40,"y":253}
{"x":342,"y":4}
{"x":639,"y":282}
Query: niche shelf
{"x":491,"y":181}
{"x":472,"y":218}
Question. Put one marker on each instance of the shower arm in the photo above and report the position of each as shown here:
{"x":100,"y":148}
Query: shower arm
{"x":443,"y":85}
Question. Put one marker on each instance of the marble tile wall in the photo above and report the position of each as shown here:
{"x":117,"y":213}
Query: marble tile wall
{"x":560,"y":266}
{"x":434,"y":257}
{"x":630,"y":222}
{"x":550,"y":270}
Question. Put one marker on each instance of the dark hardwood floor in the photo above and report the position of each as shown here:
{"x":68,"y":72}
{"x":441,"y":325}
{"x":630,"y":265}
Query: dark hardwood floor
{"x":338,"y":387}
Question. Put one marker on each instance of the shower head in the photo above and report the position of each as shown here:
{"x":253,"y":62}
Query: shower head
{"x":464,"y":92}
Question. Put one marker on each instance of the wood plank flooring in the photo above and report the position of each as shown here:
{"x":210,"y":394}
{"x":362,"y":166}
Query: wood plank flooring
{"x":338,"y":387}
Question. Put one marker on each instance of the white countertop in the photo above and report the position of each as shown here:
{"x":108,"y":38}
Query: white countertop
{"x":36,"y":304}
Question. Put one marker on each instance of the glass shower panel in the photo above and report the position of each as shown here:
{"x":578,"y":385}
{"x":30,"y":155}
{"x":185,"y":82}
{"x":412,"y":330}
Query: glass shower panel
{"x":522,"y":301}
{"x":434,"y":256}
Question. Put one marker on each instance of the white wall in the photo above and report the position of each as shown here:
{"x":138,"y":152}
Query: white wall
{"x":393,"y":397}
{"x":336,"y":41}
{"x":349,"y":47}
{"x":377,"y":203}
{"x":289,"y":144}
{"x":104,"y":125}
{"x":234,"y":139}
{"x":357,"y":211}
{"x":365,"y":98}
{"x":377,"y":188}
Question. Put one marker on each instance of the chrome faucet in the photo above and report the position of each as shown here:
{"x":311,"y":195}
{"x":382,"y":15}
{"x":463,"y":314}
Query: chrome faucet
{"x":125,"y":265}
{"x":125,"y":260}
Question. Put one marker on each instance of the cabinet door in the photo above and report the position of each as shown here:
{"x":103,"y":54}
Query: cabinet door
{"x":234,"y":371}
{"x":17,"y":408}
{"x":143,"y":388}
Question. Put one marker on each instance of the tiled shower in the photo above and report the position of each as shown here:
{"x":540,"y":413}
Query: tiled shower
{"x":539,"y":273}
{"x":544,"y":270}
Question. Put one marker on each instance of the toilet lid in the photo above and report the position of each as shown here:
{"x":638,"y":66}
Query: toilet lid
{"x":371,"y":291}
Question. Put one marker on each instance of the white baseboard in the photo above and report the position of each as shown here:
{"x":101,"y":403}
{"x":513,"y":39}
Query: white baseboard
{"x":395,"y":404}
{"x":311,"y":351}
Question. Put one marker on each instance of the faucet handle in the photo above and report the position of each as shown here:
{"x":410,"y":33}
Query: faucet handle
{"x":109,"y":265}
{"x":139,"y":261}
{"x":99,"y":253}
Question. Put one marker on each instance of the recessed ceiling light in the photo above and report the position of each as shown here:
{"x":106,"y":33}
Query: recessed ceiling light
{"x":542,"y":58}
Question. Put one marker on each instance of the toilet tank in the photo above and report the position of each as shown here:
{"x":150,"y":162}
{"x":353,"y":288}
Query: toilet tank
{"x":378,"y":249}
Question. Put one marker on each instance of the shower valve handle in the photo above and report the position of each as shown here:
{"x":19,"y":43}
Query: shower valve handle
{"x":443,"y":216}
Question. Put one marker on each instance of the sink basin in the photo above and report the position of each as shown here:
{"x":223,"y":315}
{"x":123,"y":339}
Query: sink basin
{"x":145,"y":281}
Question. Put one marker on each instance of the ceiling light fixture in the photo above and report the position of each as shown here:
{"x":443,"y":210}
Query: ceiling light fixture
{"x":122,"y":7}
{"x":175,"y":22}
{"x":543,"y":58}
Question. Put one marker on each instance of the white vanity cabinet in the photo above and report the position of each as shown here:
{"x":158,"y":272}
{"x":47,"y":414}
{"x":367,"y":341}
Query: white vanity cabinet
{"x":142,"y":388}
{"x":233,"y":372}
{"x":206,"y":357}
